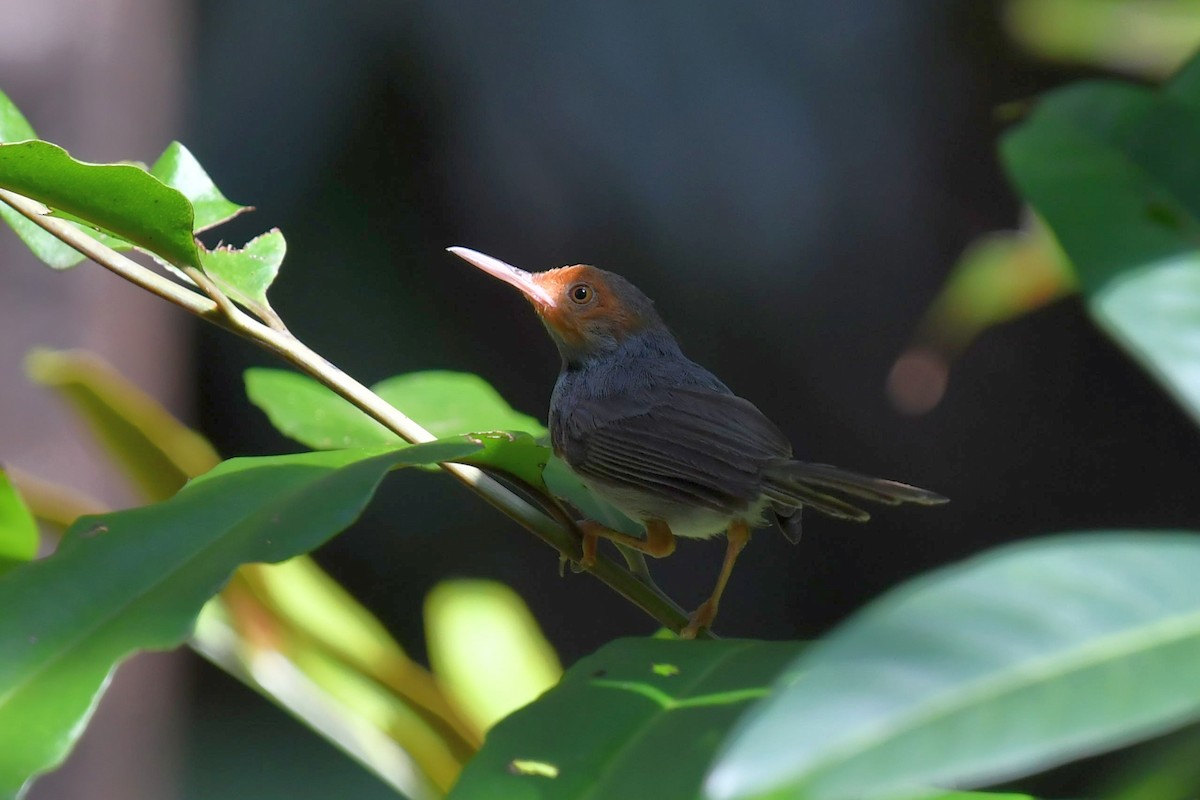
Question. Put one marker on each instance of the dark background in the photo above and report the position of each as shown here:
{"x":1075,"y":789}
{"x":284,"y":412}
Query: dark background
{"x":791,"y":182}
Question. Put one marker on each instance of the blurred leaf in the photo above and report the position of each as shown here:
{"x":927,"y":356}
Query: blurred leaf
{"x":467,"y":619}
{"x":179,"y":169}
{"x":1155,"y":314}
{"x":278,"y":679}
{"x":999,"y":277}
{"x":18,"y":531}
{"x":52,"y":251}
{"x":314,"y":606}
{"x":120,"y":199}
{"x":444,"y":403}
{"x":1011,"y":663}
{"x":1112,"y":169}
{"x":52,"y":503}
{"x":362,"y":697}
{"x":151,"y":446}
{"x":1143,"y":38}
{"x":246,"y":274}
{"x":617,"y":727}
{"x":136,"y":580}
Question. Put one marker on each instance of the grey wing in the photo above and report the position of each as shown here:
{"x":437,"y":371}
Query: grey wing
{"x":692,"y":446}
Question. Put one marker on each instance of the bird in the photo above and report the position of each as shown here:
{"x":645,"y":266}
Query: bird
{"x":661,"y":438}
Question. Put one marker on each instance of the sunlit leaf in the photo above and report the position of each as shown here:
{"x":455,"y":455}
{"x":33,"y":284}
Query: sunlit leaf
{"x":1014,"y":662}
{"x":1145,"y":39}
{"x":444,"y":403}
{"x":464,"y":619}
{"x":245,"y":274}
{"x":136,"y":580}
{"x":179,"y":169}
{"x":18,"y":531}
{"x":620,"y":725}
{"x":120,"y":199}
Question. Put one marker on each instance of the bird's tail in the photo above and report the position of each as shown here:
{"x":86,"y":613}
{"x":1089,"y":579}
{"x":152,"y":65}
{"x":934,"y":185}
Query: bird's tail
{"x":795,"y":484}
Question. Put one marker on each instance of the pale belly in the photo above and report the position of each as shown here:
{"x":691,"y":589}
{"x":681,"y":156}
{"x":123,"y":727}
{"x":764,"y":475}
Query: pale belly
{"x":689,"y":521}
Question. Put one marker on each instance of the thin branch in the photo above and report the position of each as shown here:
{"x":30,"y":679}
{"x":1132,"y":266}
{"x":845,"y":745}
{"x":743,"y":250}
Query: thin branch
{"x":228,"y":316}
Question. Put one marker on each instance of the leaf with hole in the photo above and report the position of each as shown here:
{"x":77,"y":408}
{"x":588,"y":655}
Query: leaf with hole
{"x":245,"y":274}
{"x":638,"y":718}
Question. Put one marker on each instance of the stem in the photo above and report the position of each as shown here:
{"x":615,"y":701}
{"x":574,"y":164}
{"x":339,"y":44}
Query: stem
{"x":291,"y":349}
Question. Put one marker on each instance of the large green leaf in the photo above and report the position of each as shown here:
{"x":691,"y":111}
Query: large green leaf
{"x":1114,"y":171}
{"x":1013,"y":662}
{"x":121,"y":199}
{"x":18,"y":530}
{"x":137,"y":579}
{"x":638,"y":718}
{"x":1155,"y":314}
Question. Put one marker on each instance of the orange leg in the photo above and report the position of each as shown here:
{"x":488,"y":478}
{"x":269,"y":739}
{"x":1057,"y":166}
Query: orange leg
{"x":737,"y":535}
{"x":659,"y":541}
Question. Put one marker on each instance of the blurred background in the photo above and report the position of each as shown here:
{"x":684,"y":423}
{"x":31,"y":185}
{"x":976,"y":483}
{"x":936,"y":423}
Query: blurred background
{"x":791,"y":182}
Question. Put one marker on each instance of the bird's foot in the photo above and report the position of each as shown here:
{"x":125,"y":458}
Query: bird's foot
{"x":701,"y":619}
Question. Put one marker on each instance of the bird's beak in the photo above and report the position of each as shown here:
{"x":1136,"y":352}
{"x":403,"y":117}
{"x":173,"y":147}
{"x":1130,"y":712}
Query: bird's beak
{"x":519,"y":278}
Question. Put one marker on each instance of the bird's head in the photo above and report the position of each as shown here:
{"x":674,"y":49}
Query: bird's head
{"x":587,"y":310}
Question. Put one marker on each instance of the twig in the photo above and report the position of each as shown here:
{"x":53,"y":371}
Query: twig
{"x":291,"y":349}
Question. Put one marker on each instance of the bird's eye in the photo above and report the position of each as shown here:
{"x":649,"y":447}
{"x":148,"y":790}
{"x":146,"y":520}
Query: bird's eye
{"x":581,"y":293}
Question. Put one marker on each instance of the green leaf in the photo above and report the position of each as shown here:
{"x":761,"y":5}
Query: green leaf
{"x":1112,"y":169}
{"x":513,"y":452}
{"x":621,"y":725}
{"x":1105,"y":166}
{"x":179,"y":169}
{"x":465,"y":618}
{"x":444,"y":403}
{"x":1010,"y":663}
{"x":246,"y":274}
{"x":120,"y":199}
{"x":136,"y":580}
{"x":18,"y":530}
{"x":1155,"y":314}
{"x":157,"y":451}
{"x":15,"y":128}
{"x":13,"y":125}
